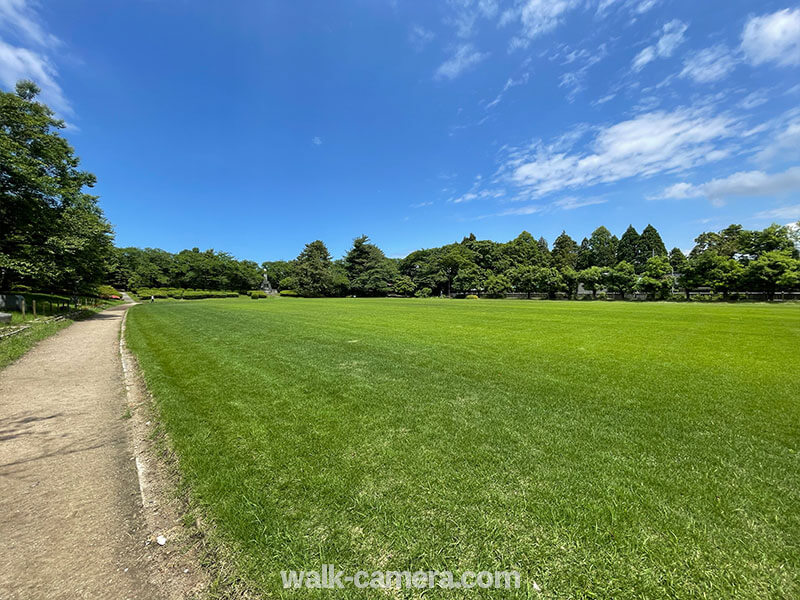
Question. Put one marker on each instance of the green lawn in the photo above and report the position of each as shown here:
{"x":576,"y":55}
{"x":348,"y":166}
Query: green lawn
{"x":623,"y":450}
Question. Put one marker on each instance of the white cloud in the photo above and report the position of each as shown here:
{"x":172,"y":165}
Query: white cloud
{"x":773,"y":38}
{"x":651,"y":143}
{"x":464,"y":57}
{"x":537,"y":17}
{"x":709,"y":65}
{"x":671,"y":36}
{"x":574,"y":80}
{"x":784,"y":145}
{"x":510,"y":83}
{"x":645,"y":5}
{"x":748,"y":184}
{"x":20,"y":21}
{"x":754,"y":99}
{"x":788,"y":213}
{"x":421,"y":204}
{"x":571,"y":203}
{"x":567,"y":203}
{"x":21,"y":63}
{"x":467,"y":12}
{"x":522,"y":210}
{"x":419,"y":37}
{"x":316,"y":140}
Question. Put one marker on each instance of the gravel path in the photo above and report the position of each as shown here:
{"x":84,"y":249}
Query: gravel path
{"x":71,"y":522}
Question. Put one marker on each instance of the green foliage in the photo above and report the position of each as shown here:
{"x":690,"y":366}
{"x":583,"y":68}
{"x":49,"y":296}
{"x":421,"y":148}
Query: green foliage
{"x":622,"y":278}
{"x":423,"y":293}
{"x":190,"y":269}
{"x":106,"y":291}
{"x":368,"y":270}
{"x":404,"y":285}
{"x":592,"y":278}
{"x":565,"y":252}
{"x":289,"y":293}
{"x":772,"y":269}
{"x":497,"y":286}
{"x":471,"y":297}
{"x":256,"y":294}
{"x":678,"y":260}
{"x":183,"y":294}
{"x":278,"y":271}
{"x":628,"y":249}
{"x":314,"y":272}
{"x":656,"y":280}
{"x":54,"y":235}
{"x":524,"y":278}
{"x":650,"y":244}
{"x":603,"y":248}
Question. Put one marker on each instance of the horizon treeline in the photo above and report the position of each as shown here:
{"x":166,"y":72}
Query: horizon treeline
{"x":56,"y":238}
{"x":734,"y":259}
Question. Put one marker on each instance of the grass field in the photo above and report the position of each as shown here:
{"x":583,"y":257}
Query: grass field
{"x":602,"y":449}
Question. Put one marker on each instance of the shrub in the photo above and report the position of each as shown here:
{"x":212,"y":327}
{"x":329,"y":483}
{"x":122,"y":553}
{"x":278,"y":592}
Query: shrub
{"x":105,"y":291}
{"x":602,"y":296}
{"x":290,"y":293}
{"x":256,"y":294}
{"x":472,"y":297}
{"x":423,"y":293}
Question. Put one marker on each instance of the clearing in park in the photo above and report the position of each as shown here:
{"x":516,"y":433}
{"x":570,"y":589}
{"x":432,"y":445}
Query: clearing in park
{"x":601,"y":449}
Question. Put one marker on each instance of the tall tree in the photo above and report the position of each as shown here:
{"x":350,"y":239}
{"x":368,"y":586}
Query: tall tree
{"x":53,"y":234}
{"x":565,"y":252}
{"x":369,"y":271}
{"x":650,"y":244}
{"x":628,"y":247}
{"x":523,"y":250}
{"x":677,"y":259}
{"x":603,"y":248}
{"x":314,"y":273}
{"x":585,"y":258}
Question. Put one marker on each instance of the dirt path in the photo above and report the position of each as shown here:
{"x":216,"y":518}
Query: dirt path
{"x":71,"y":520}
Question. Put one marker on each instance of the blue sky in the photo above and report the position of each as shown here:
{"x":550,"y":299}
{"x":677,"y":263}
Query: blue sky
{"x":255,"y":127}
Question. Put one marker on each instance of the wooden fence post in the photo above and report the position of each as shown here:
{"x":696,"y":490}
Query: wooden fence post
{"x":23,"y":309}
{"x":34,"y":308}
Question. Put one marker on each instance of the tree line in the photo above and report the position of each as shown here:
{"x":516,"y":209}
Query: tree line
{"x":55,"y":238}
{"x":726,"y":262}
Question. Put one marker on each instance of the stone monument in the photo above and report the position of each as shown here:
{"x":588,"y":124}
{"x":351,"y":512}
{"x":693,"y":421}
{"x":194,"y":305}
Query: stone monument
{"x":266,"y":287}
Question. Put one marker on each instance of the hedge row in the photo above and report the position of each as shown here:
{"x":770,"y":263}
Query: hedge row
{"x":180,"y":293}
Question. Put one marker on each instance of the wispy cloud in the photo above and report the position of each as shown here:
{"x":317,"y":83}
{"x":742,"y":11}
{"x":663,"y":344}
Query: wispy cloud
{"x":709,"y":65}
{"x":464,"y":57}
{"x":419,"y":37}
{"x":649,"y":144}
{"x":773,"y":38}
{"x":536,"y":18}
{"x":316,"y":140}
{"x":783,"y":213}
{"x":567,"y":203}
{"x":466,"y":13}
{"x":29,"y":57}
{"x":749,"y":184}
{"x":784,"y":142}
{"x":421,"y":204}
{"x":671,"y":36}
{"x":19,"y":19}
{"x":510,"y":83}
{"x":574,"y":81}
